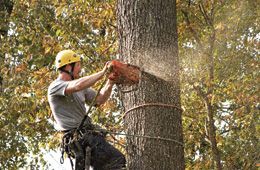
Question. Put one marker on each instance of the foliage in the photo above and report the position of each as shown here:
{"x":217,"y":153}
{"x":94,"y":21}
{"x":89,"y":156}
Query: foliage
{"x":37,"y":30}
{"x":235,"y":96}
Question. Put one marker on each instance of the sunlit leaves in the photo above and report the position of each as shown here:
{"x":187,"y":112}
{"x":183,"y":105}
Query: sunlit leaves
{"x":235,"y":83}
{"x":37,"y":31}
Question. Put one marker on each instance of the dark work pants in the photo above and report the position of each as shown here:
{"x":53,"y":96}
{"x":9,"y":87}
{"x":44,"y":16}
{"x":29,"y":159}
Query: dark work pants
{"x":103,"y":155}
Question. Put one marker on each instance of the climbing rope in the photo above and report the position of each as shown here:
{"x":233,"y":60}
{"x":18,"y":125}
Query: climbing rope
{"x":150,"y":105}
{"x":141,"y":106}
{"x":146,"y":136}
{"x":132,"y":135}
{"x":108,"y":70}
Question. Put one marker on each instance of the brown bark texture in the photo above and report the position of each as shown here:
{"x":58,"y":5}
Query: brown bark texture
{"x":148,"y":39}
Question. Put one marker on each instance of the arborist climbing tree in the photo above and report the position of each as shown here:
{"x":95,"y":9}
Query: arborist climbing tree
{"x":67,"y":96}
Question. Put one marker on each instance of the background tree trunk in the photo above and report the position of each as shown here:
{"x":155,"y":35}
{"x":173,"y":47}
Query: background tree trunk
{"x":6,"y":8}
{"x":210,"y":107}
{"x":148,"y":39}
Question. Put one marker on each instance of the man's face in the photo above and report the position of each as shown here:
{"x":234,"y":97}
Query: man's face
{"x":77,"y":70}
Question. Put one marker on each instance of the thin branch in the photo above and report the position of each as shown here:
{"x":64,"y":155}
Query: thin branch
{"x":204,"y":14}
{"x":187,"y":20}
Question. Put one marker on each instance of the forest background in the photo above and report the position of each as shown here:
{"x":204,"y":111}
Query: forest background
{"x":33,"y":32}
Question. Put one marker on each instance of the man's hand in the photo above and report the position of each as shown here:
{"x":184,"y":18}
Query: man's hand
{"x":107,"y":68}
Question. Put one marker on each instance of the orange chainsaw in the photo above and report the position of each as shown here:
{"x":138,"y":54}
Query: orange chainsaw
{"x":122,"y":73}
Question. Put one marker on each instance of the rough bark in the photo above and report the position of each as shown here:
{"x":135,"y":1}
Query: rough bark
{"x":148,"y":39}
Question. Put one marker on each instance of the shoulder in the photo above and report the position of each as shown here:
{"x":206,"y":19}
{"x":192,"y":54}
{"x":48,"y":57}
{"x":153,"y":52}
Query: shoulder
{"x":57,"y":85}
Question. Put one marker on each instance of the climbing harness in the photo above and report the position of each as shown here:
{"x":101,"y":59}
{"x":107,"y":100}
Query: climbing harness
{"x":65,"y":147}
{"x":69,"y":140}
{"x":73,"y":144}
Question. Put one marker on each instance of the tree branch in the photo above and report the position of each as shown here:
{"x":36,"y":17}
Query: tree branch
{"x":187,"y":20}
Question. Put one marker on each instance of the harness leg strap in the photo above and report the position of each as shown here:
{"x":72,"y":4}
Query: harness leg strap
{"x":79,"y":156}
{"x":87,"y":158}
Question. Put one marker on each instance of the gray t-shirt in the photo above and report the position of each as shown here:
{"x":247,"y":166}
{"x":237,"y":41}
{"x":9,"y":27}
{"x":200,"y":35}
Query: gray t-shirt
{"x":68,"y":110}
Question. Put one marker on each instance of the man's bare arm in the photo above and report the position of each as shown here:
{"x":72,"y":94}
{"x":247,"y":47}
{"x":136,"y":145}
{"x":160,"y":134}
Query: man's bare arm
{"x":105,"y":93}
{"x":84,"y":82}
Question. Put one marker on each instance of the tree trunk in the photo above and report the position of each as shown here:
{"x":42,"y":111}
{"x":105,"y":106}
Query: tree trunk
{"x":212,"y":136}
{"x":6,"y":7}
{"x":148,"y":39}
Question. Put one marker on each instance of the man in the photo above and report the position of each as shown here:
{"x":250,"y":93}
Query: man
{"x":67,"y":96}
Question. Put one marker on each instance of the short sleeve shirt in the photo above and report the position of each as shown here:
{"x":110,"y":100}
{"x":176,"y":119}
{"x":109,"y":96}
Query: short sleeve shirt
{"x":68,"y":110}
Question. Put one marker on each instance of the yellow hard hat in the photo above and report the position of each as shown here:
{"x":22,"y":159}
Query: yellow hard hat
{"x":65,"y":57}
